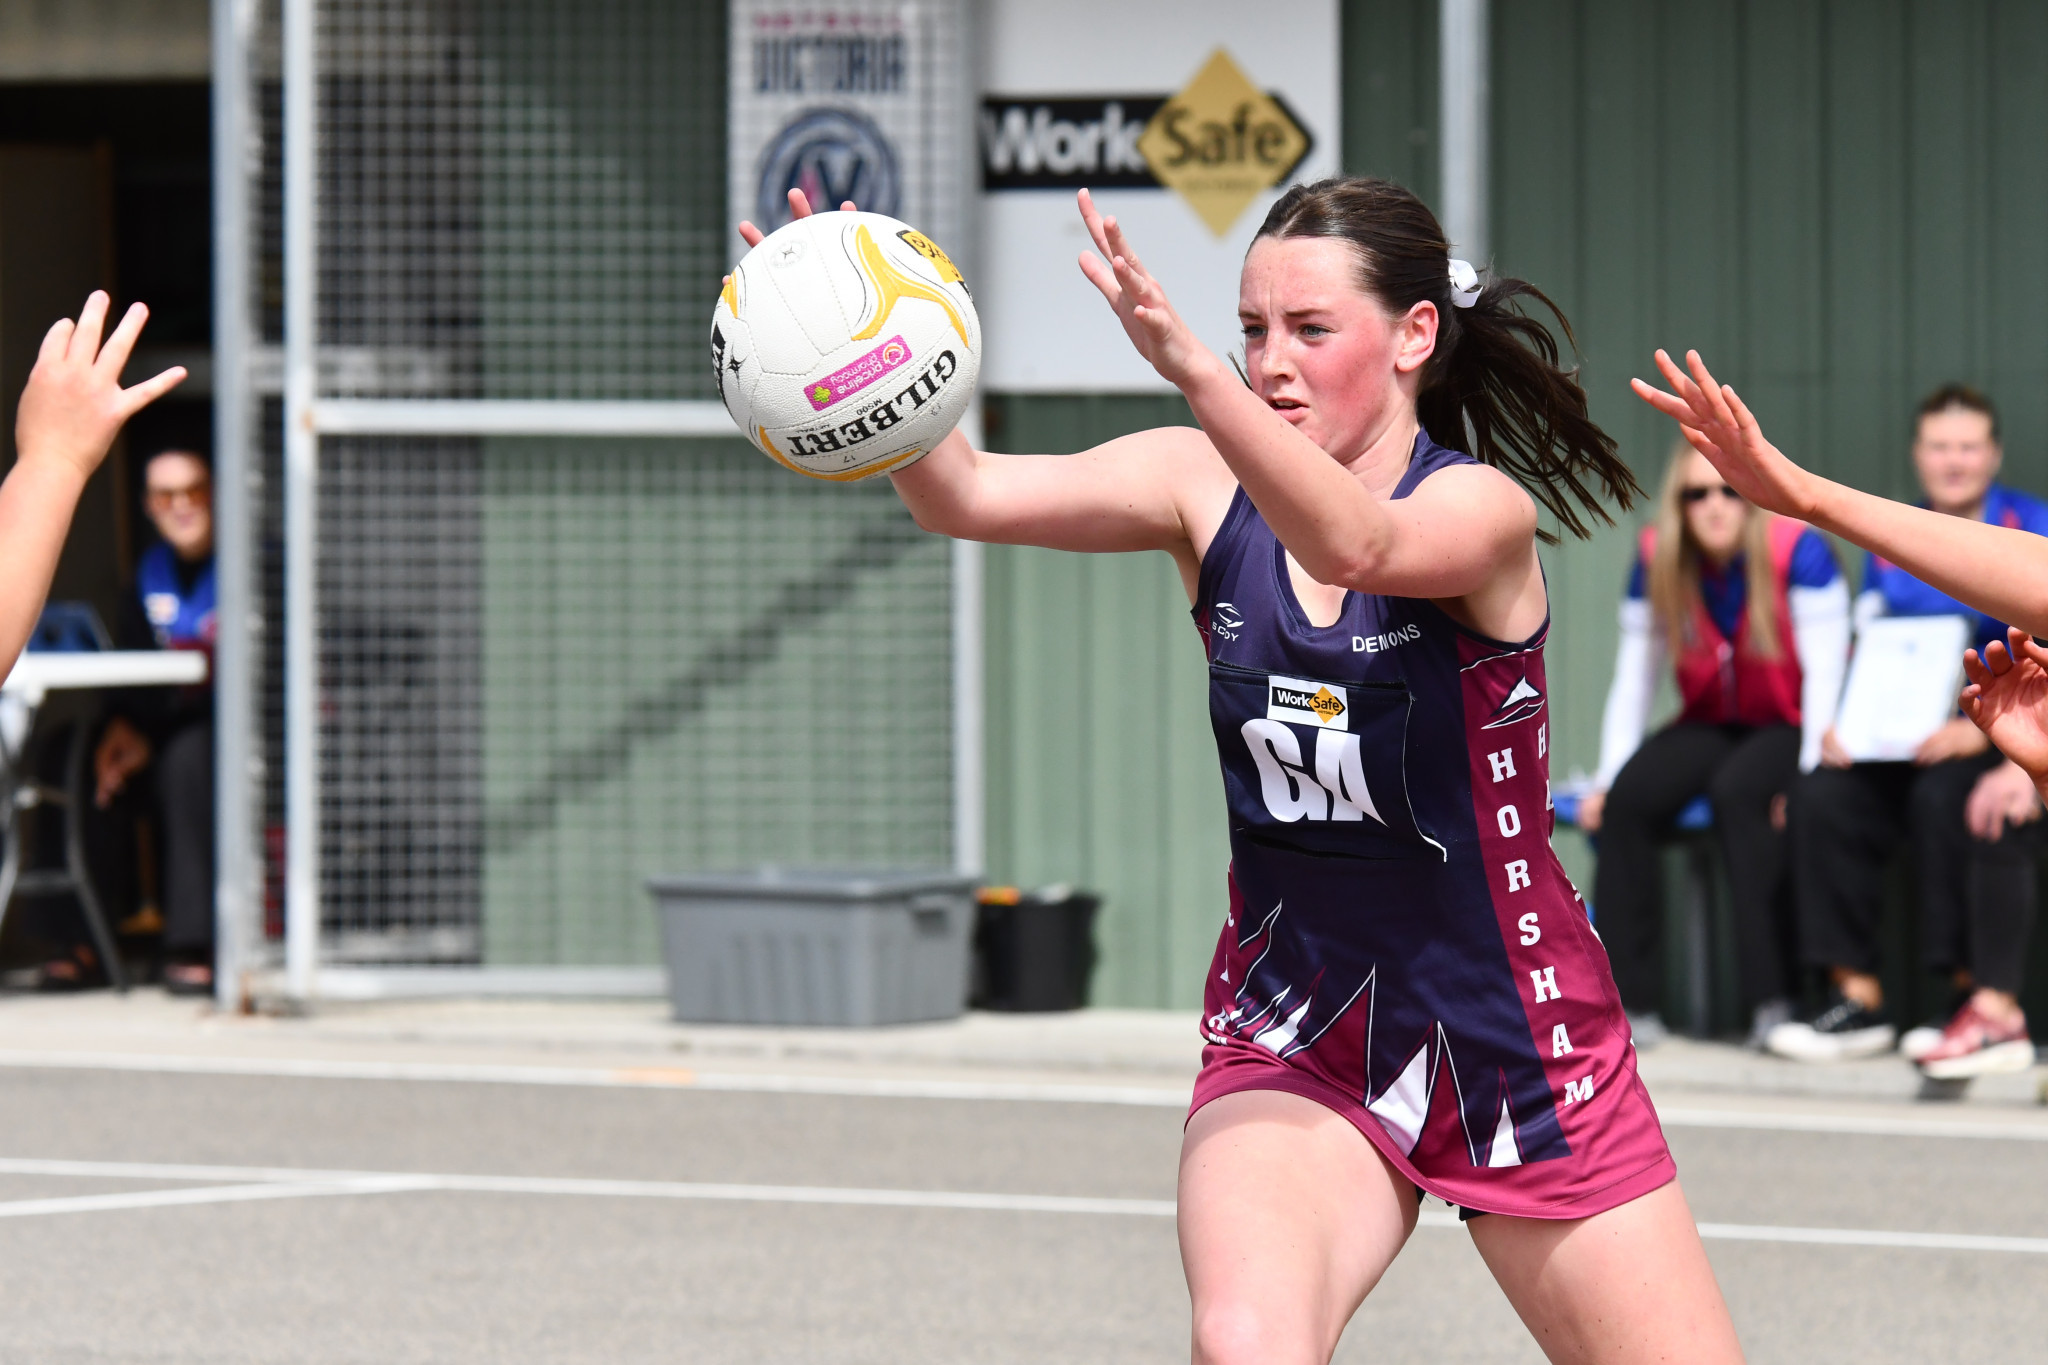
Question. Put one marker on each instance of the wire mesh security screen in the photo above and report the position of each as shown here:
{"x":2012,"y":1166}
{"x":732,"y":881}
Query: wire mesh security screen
{"x":694,"y":659}
{"x":519,"y":198}
{"x":550,"y":668}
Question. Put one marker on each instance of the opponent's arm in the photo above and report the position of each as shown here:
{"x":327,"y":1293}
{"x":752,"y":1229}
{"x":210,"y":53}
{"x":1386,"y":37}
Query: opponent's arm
{"x":1997,"y":570}
{"x":1450,"y":539}
{"x":69,"y":413}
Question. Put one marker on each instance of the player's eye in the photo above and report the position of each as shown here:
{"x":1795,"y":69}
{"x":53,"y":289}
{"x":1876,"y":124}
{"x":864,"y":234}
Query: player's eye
{"x":1254,"y":331}
{"x":1314,"y":329}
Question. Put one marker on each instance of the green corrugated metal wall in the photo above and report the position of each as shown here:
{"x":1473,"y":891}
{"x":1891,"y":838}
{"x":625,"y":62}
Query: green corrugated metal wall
{"x":1841,"y":204}
{"x":1101,"y":770}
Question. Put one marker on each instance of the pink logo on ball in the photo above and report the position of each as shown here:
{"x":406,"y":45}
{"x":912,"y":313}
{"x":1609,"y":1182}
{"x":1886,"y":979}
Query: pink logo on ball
{"x":852,"y":378}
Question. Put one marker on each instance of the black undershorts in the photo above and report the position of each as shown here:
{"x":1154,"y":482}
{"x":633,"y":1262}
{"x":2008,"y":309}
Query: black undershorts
{"x":1465,"y":1215}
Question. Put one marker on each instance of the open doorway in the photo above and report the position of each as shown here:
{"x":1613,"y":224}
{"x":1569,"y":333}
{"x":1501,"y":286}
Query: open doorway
{"x":104,"y":185}
{"x":107,"y":185}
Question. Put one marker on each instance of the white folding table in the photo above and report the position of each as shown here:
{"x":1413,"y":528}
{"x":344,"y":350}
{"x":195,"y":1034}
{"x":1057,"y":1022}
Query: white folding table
{"x":31,"y":680}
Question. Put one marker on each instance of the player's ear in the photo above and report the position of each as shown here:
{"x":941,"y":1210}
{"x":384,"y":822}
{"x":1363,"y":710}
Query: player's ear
{"x":1415,"y":337}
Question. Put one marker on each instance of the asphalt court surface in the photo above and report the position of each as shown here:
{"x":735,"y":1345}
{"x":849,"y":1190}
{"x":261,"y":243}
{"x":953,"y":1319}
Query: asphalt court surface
{"x":370,"y":1220}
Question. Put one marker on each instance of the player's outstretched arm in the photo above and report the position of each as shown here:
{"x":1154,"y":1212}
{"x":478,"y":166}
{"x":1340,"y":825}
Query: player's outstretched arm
{"x":1153,"y":490}
{"x":1452,"y":539}
{"x":2008,"y":698}
{"x":1997,"y":570}
{"x":70,"y":412}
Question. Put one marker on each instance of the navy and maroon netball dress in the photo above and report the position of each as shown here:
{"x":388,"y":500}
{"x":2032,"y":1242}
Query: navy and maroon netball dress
{"x":1403,"y":946}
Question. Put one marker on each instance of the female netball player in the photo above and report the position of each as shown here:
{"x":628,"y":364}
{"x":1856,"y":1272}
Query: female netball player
{"x":1406,"y":996}
{"x":69,"y":414}
{"x":1996,"y":570}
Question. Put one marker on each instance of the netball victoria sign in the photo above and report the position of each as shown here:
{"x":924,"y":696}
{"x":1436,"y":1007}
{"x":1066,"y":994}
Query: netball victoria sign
{"x":845,"y":101}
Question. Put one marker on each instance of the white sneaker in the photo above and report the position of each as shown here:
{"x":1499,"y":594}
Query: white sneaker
{"x":1916,"y":1043}
{"x":1768,"y":1016}
{"x":1842,"y":1032}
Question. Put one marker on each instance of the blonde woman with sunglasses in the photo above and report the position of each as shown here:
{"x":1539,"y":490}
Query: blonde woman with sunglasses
{"x":1751,"y":614}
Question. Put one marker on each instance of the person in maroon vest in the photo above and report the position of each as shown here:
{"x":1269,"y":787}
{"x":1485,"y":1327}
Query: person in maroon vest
{"x":1752,"y":615}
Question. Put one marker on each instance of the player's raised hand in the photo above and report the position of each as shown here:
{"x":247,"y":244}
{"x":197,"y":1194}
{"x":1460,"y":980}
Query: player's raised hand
{"x":74,"y":405}
{"x":1721,"y":427}
{"x":1138,"y":300}
{"x":799,"y":207}
{"x":2008,"y":698}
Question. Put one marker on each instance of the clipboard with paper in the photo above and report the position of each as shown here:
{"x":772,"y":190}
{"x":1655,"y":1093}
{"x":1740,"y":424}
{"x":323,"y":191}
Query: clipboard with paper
{"x":1902,"y":687}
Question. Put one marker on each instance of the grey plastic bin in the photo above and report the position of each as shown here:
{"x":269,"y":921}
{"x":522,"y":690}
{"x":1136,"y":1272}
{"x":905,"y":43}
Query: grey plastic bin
{"x":782,"y":946}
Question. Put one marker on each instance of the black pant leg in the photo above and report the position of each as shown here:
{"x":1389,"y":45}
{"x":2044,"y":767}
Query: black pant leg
{"x":2002,"y":909}
{"x":1845,"y":825}
{"x":1669,"y":770}
{"x":184,"y":784}
{"x":2003,"y":891}
{"x":1758,"y":769}
{"x":1945,"y":855}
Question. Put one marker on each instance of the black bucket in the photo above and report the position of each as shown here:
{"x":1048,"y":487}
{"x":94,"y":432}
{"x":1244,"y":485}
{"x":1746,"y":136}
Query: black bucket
{"x":1033,"y":950}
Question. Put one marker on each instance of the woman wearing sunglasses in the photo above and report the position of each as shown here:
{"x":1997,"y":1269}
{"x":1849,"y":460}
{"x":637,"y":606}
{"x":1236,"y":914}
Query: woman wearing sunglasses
{"x":1753,"y":615}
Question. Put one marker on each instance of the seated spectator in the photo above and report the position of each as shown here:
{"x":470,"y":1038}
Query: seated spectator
{"x":1754,"y":614}
{"x":169,"y":734}
{"x":1971,"y":817}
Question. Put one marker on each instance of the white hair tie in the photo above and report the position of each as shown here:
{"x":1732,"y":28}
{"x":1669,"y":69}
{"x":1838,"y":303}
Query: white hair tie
{"x":1465,"y":284}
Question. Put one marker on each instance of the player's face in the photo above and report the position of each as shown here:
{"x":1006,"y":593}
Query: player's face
{"x":1957,"y":457}
{"x":1715,"y":514}
{"x":1322,"y":352}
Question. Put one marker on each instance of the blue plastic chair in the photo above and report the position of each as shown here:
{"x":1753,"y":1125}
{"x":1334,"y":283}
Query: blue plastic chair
{"x":69,"y":628}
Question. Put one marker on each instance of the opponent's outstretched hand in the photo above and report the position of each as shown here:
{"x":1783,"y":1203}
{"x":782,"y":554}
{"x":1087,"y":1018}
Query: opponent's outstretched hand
{"x":1721,"y":427}
{"x":799,"y":207}
{"x":2008,"y":698}
{"x":1139,"y":302}
{"x":70,"y":411}
{"x":73,"y":404}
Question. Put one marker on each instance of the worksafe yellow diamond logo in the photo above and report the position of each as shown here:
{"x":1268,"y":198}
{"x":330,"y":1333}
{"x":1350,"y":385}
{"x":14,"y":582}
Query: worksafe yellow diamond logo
{"x":1222,"y":142}
{"x":1325,"y":704}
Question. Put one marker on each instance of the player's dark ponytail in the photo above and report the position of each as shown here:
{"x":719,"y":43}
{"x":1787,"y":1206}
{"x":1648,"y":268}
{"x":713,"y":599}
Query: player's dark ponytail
{"x":1493,"y":388}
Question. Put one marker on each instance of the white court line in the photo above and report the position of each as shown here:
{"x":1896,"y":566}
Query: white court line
{"x":293,"y":1181}
{"x":808,"y":1194}
{"x":867,"y":1087}
{"x":629,"y":1078}
{"x":1870,"y":1125}
{"x":1862,"y":1237}
{"x":275,"y":1182}
{"x":206,"y":1194}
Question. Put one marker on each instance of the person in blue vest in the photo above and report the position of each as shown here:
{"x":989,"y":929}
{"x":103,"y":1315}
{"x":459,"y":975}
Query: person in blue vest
{"x":168,"y":734}
{"x":1971,"y":815}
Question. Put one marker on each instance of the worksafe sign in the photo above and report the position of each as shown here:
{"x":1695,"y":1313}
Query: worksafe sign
{"x":1066,"y":144}
{"x":1222,"y":142}
{"x":1219,"y":143}
{"x":1184,"y":120}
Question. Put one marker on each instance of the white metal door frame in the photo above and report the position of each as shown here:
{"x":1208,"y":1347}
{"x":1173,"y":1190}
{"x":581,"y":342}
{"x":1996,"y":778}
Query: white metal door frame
{"x":307,"y":418}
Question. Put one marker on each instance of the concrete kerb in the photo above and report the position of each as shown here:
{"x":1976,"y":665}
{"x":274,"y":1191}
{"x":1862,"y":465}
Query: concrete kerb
{"x":1150,"y":1047}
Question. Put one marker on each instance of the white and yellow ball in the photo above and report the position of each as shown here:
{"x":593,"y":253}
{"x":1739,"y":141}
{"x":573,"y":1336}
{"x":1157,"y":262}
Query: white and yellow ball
{"x":846,"y":345}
